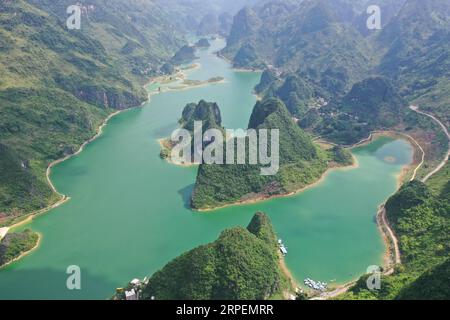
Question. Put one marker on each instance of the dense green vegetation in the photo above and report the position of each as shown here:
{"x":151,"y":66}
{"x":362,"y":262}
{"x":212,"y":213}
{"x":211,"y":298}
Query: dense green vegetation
{"x":268,"y":80}
{"x":14,"y":244}
{"x":372,"y":104}
{"x":417,"y":55}
{"x":297,"y":94}
{"x":341,"y":156}
{"x":240,"y":264}
{"x":301,"y":163}
{"x":20,"y":188}
{"x":432,"y":284}
{"x":206,"y":112}
{"x":311,"y":39}
{"x":420,"y":217}
{"x":138,"y":41}
{"x":184,"y":55}
{"x":323,"y":50}
{"x":58,"y":85}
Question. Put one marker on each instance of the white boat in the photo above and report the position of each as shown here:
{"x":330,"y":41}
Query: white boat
{"x":282,"y":247}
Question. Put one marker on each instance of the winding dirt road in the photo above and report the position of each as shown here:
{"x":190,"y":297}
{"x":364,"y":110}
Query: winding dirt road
{"x":444,"y":128}
{"x":383,"y":223}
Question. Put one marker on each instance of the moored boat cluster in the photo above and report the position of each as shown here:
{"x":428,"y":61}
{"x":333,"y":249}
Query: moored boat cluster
{"x":316,"y":285}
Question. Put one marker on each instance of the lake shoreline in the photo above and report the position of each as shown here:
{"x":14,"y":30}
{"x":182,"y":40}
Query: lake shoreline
{"x":181,"y":75}
{"x":99,"y":132}
{"x":392,"y":254}
{"x":355,"y":165}
{"x":25,"y":253}
{"x":372,"y":137}
{"x":221,"y":56}
{"x":162,"y":143}
{"x":27,"y":218}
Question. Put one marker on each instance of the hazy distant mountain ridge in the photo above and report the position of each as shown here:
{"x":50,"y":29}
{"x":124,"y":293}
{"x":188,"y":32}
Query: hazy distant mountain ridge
{"x":139,"y":33}
{"x":313,"y":39}
{"x":418,"y":56}
{"x":327,"y":48}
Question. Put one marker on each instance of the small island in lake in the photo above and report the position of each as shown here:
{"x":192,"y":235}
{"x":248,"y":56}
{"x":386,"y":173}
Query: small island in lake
{"x":207,"y":112}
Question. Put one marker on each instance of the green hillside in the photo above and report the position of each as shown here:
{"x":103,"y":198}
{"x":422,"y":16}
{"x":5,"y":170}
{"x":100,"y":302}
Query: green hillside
{"x":297,"y":94}
{"x":140,"y":42}
{"x":418,"y":54}
{"x":301,"y":163}
{"x":206,"y":112}
{"x":324,"y":51}
{"x":56,"y":88}
{"x":240,"y":264}
{"x":14,"y":244}
{"x":372,"y":104}
{"x":433,"y":284}
{"x":311,"y":39}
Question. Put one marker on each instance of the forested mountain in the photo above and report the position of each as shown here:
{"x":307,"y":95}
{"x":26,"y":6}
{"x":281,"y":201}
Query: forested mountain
{"x":318,"y":53}
{"x":328,"y":45}
{"x":314,"y":39}
{"x":58,"y":85}
{"x":208,"y":113}
{"x":342,"y":81}
{"x":301,"y":163}
{"x":204,"y":17}
{"x":140,"y":41}
{"x":372,"y":104}
{"x":325,"y":75}
{"x":240,"y":264}
{"x":418,"y":54}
